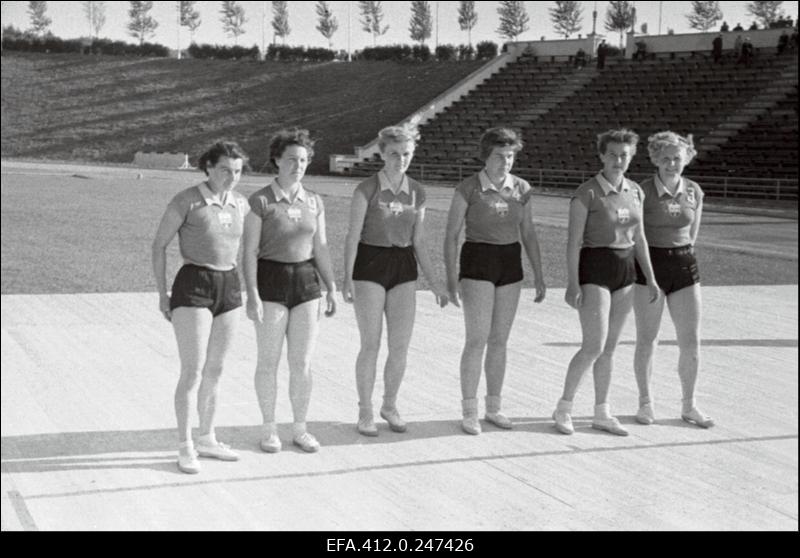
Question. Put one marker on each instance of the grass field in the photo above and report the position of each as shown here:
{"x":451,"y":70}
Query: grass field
{"x":68,"y":234}
{"x":105,"y":108}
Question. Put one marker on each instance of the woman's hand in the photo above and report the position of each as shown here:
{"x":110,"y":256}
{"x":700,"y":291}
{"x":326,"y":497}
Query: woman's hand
{"x":163,"y":306}
{"x":574,"y":296}
{"x":541,"y":290}
{"x":330,"y":308}
{"x":255,"y":310}
{"x":347,"y":291}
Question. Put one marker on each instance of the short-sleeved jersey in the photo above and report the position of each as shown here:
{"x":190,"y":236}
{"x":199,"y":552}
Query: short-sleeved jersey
{"x":668,"y":219}
{"x":287,"y":226}
{"x":212,"y":227}
{"x":390,"y":217}
{"x":613,"y":215}
{"x":494,"y":216}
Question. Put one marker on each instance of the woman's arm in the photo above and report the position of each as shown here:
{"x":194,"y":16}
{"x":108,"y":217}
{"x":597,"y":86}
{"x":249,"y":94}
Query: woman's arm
{"x":531,"y":243}
{"x":322,"y":260}
{"x":170,"y":224}
{"x":695,"y":228}
{"x":251,"y":241}
{"x":455,"y":222}
{"x":424,"y":258}
{"x":358,"y":211}
{"x":643,"y":257}
{"x":577,"y":224}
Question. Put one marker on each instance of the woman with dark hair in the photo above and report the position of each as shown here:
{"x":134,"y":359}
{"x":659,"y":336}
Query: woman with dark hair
{"x":673,"y":208}
{"x":385,"y":242}
{"x":604,"y":240}
{"x":285,"y":247}
{"x":496,"y":208}
{"x":206,"y":294}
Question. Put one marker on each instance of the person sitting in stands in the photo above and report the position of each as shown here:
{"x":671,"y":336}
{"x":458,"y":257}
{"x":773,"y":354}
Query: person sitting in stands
{"x":580,"y":58}
{"x":724,"y":27}
{"x":738,"y":27}
{"x":641,"y":51}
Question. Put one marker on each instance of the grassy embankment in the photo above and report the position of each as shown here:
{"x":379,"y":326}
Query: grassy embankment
{"x":105,"y":108}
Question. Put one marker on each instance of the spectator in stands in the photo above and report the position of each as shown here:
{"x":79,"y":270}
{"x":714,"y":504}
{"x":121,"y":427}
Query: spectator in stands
{"x":737,"y":47}
{"x":783,"y":42}
{"x":285,"y":248}
{"x":724,"y":27}
{"x":673,"y":207}
{"x":641,"y":51}
{"x":747,"y":53}
{"x":203,"y":306}
{"x":738,"y":27}
{"x":753,"y":26}
{"x":716,"y":48}
{"x":580,"y":58}
{"x":385,"y":243}
{"x":793,"y":40}
{"x":604,"y":240}
{"x":601,"y":54}
{"x":496,"y":208}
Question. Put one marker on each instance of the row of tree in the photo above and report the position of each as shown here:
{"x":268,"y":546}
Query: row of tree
{"x":566,"y":17}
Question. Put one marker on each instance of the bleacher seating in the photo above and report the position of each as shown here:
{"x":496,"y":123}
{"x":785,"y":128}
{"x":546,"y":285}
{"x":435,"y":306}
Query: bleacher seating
{"x":685,"y":95}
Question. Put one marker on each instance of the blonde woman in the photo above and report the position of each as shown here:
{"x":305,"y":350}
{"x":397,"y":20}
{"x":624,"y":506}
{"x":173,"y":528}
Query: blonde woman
{"x":385,"y":243}
{"x":673,"y":208}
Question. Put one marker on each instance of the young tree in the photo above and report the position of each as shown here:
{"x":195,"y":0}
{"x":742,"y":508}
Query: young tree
{"x":467,"y":17}
{"x":764,"y":12}
{"x":328,"y":25}
{"x":513,"y":19}
{"x":190,"y":18}
{"x":371,"y":18}
{"x":704,"y":15}
{"x":37,"y":11}
{"x":280,"y":20}
{"x":619,"y":17}
{"x":233,"y":20}
{"x":566,"y":18}
{"x":421,"y":22}
{"x":96,"y":16}
{"x":141,"y":24}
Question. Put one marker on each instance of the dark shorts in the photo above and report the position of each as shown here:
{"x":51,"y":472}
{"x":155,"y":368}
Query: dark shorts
{"x":200,"y":287}
{"x":289,"y":284}
{"x":612,"y":268}
{"x":387,"y":266}
{"x":500,"y":264}
{"x":674,"y":268}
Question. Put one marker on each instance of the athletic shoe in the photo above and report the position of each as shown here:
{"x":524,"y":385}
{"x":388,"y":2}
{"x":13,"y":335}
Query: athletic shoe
{"x":471,"y":425}
{"x":697,"y":418}
{"x":306,"y":442}
{"x":499,"y":420}
{"x":219,"y":451}
{"x":393,"y":418}
{"x":188,"y":463}
{"x":610,"y":424}
{"x":563,"y":422}
{"x":366,"y":427}
{"x":645,"y":414}
{"x":271,"y":443}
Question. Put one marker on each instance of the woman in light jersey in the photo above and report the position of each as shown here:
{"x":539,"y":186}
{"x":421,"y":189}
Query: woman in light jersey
{"x":496,"y":209}
{"x":605,"y":239}
{"x":203,"y":306}
{"x":285,"y":247}
{"x":673,"y":208}
{"x":385,"y":242}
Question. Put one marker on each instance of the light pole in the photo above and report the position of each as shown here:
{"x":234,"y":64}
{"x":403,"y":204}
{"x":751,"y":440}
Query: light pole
{"x":594,"y":20}
{"x":179,"y":28}
{"x":660,"y":5}
{"x":349,"y":54}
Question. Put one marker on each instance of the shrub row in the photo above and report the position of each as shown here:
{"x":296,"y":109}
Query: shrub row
{"x":422,"y":53}
{"x":16,"y":40}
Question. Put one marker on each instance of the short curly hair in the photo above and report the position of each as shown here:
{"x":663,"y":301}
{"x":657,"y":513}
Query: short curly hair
{"x":395,"y":134}
{"x":623,"y":135}
{"x":658,"y":141}
{"x":288,"y":137}
{"x":220,"y":149}
{"x":499,"y":137}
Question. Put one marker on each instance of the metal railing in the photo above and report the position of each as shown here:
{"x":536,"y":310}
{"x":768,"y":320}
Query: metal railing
{"x":726,"y":187}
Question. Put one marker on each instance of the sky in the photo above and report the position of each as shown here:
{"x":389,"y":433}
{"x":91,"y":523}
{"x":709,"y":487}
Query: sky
{"x":69,"y":22}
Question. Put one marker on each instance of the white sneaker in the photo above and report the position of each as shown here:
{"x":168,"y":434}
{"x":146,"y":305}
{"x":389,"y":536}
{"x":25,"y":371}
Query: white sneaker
{"x":271,"y":443}
{"x":188,"y":463}
{"x":563,"y":422}
{"x":471,"y":425}
{"x":499,"y":420}
{"x":610,"y":424}
{"x":393,"y":418}
{"x":645,"y":415}
{"x":219,"y":451}
{"x":306,"y":442}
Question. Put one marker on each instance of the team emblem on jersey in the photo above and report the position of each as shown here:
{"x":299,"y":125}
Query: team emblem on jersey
{"x":501,"y":207}
{"x":623,"y":215}
{"x":396,"y":208}
{"x":516,"y":195}
{"x":225,"y":219}
{"x":294,"y":214}
{"x":312,"y":204}
{"x":674,"y":208}
{"x":690,"y":195}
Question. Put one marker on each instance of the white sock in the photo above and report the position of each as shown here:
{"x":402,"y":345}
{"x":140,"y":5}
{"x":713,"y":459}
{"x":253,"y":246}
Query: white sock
{"x":269,"y":428}
{"x":688,"y":404}
{"x":564,"y":406}
{"x":299,"y":429}
{"x":209,"y":439}
{"x":602,"y":411}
